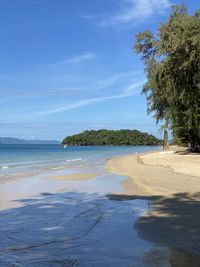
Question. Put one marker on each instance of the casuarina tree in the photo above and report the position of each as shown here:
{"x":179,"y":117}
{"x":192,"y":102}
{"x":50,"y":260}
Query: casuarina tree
{"x":172,"y":65}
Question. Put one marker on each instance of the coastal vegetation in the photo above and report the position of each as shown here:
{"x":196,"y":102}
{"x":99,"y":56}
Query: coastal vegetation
{"x":172,"y":64}
{"x":112,"y":138}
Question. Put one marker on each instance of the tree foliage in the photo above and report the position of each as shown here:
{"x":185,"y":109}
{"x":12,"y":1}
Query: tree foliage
{"x":111,"y":137}
{"x":172,"y":64}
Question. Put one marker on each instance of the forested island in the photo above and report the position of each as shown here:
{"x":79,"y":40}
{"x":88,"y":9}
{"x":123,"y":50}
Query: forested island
{"x":111,"y":138}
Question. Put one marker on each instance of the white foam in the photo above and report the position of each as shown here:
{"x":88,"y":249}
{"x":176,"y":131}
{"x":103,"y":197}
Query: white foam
{"x":72,"y":160}
{"x":4,"y":167}
{"x":58,"y":168}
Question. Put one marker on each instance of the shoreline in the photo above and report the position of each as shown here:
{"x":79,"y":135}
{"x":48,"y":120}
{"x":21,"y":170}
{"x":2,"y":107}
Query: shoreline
{"x":145,"y":173}
{"x":172,"y":200}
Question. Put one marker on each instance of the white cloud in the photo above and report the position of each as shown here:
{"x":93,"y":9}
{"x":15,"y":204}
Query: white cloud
{"x":134,"y":11}
{"x":129,"y":91}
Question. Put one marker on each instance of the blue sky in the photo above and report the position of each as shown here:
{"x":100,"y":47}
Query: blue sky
{"x":68,"y":65}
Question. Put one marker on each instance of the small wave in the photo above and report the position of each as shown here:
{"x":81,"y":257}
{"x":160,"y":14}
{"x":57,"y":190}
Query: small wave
{"x":4,"y":167}
{"x":58,"y":168}
{"x":72,"y":160}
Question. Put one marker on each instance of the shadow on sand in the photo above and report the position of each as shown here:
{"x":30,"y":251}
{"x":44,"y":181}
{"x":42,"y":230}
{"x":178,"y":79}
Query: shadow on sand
{"x":171,"y":221}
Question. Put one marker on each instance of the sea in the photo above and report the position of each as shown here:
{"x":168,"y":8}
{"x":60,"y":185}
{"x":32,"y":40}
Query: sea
{"x":24,"y":160}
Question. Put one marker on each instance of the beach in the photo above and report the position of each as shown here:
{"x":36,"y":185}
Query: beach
{"x":101,"y":206}
{"x":171,"y":183}
{"x":159,"y":173}
{"x":100,"y":133}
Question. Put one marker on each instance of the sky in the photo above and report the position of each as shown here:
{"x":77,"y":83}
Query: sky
{"x":68,"y":65}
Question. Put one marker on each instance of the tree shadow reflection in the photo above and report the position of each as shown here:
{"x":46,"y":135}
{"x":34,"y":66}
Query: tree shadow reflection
{"x":172,"y":221}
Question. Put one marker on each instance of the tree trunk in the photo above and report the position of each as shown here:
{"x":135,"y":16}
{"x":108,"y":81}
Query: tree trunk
{"x":195,"y":146}
{"x":165,"y":141}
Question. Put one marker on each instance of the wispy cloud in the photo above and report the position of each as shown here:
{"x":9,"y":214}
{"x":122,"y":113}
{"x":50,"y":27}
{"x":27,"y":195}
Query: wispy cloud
{"x":87,"y":56}
{"x":133,"y":11}
{"x":113,"y":79}
{"x":94,"y":87}
{"x":40,"y":92}
{"x":77,"y":59}
{"x":129,"y":91}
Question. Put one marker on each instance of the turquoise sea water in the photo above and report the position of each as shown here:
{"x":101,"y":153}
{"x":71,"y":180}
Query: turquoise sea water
{"x":17,"y":159}
{"x":19,"y":154}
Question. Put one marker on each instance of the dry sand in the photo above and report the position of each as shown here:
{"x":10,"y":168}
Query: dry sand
{"x":158,"y":173}
{"x":182,"y":162}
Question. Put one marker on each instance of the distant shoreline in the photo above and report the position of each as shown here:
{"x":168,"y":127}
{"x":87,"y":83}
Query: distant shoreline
{"x":18,"y":141}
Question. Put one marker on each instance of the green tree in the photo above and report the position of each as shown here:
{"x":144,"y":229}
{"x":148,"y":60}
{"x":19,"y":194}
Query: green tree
{"x":172,"y":64}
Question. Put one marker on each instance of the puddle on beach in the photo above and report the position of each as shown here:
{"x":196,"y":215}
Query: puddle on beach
{"x":71,"y":228}
{"x":102,"y":184}
{"x":80,"y":229}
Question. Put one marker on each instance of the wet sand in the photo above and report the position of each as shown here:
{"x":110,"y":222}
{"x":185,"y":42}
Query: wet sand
{"x":74,"y":229}
{"x":12,"y":192}
{"x":75,"y":176}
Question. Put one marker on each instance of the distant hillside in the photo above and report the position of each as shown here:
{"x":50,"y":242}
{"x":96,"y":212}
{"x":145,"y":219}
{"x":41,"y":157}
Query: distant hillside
{"x":111,"y":137}
{"x":16,"y":141}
